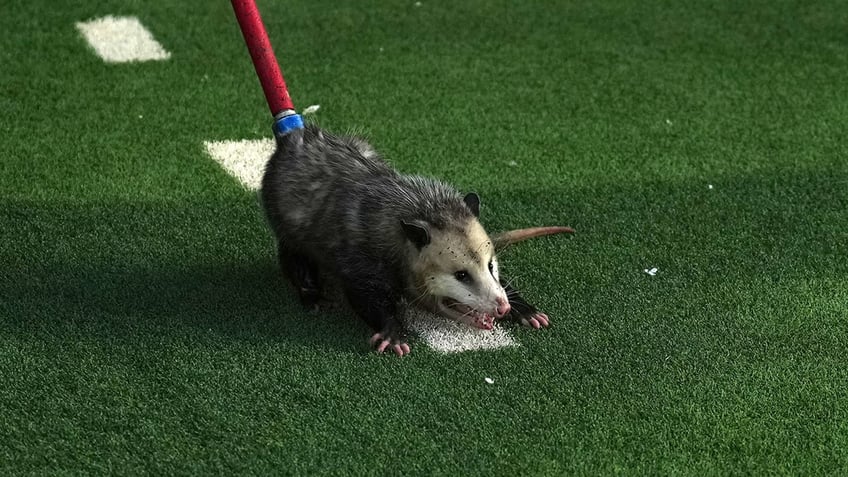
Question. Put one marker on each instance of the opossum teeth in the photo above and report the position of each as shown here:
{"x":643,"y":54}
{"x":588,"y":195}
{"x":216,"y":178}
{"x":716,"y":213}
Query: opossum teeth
{"x":470,"y":315}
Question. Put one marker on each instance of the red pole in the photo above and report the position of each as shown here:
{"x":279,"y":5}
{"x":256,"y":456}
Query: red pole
{"x":263,"y":57}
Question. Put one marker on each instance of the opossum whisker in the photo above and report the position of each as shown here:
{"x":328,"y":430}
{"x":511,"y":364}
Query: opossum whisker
{"x":419,"y":298}
{"x":479,"y":247}
{"x":509,"y":281}
{"x":511,"y":294}
{"x":501,"y":248}
{"x":470,"y":311}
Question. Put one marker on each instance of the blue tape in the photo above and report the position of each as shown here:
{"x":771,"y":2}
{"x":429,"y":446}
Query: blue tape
{"x":287,"y":124}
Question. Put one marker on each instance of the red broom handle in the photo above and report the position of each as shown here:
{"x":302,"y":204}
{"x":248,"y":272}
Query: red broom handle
{"x":263,"y":57}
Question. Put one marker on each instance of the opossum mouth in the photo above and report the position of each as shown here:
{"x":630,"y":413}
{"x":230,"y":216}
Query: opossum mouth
{"x":467,"y":314}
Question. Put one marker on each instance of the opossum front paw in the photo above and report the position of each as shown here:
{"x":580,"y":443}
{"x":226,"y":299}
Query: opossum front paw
{"x":536,"y":320}
{"x":522,"y":312}
{"x":390,"y":340}
{"x":309,"y":297}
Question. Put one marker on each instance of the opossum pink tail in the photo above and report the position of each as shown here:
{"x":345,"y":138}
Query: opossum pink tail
{"x":504,"y":239}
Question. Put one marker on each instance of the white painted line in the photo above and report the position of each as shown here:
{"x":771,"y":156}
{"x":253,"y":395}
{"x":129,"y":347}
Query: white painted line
{"x":121,"y":40}
{"x":448,"y":336}
{"x":245,"y":159}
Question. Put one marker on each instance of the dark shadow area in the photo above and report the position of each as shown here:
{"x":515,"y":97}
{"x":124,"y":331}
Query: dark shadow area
{"x":120,"y":269}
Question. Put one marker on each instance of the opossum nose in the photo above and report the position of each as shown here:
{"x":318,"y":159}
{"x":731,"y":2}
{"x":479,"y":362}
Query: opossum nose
{"x":503,"y":306}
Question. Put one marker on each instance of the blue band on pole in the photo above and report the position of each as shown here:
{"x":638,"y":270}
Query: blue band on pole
{"x":287,"y":124}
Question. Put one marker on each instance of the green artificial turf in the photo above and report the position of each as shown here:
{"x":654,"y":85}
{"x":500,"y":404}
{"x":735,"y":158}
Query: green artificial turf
{"x":144,"y":327}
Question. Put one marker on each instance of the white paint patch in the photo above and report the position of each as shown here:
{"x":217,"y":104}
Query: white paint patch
{"x":448,"y":336}
{"x":245,"y":159}
{"x":121,"y":40}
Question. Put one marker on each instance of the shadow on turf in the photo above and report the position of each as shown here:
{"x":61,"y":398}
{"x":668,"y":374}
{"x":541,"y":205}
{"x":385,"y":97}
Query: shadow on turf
{"x":82,"y":268}
{"x":241,"y":302}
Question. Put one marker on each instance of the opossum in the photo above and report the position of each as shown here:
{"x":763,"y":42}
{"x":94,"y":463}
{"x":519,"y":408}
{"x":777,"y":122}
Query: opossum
{"x":390,"y":240}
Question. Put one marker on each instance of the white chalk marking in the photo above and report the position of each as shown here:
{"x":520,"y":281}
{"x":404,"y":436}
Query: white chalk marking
{"x":121,"y":40}
{"x":245,"y":159}
{"x":449,"y":336}
{"x":311,"y":109}
{"x":652,"y":272}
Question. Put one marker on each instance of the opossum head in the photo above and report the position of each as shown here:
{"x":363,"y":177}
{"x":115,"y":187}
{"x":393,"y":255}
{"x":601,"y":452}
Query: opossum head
{"x":455,"y":270}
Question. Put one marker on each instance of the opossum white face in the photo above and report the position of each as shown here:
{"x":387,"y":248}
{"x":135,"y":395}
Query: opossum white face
{"x":456,"y":275}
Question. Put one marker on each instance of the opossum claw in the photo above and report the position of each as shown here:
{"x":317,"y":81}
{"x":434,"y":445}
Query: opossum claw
{"x":383,"y":341}
{"x":537,"y":320}
{"x":523,"y":312}
{"x":513,"y":236}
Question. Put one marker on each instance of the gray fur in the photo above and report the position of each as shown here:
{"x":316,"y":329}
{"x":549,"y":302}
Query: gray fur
{"x":334,"y":198}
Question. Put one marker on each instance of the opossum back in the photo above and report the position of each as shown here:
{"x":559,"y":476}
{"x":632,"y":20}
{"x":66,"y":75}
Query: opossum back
{"x":321,"y":191}
{"x":312,"y":178}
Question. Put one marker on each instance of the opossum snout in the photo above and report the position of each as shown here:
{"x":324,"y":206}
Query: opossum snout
{"x":502,"y":307}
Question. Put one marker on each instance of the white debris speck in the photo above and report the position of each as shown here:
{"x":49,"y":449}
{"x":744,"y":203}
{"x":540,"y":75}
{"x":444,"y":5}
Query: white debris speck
{"x":512,"y":163}
{"x":652,"y":271}
{"x":668,"y":121}
{"x":140,"y":116}
{"x":417,"y":4}
{"x":311,"y":109}
{"x":381,"y":48}
{"x":490,"y":380}
{"x":709,"y":186}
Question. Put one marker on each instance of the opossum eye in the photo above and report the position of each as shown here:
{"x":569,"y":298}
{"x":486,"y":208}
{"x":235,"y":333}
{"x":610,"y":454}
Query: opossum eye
{"x":462,"y":276}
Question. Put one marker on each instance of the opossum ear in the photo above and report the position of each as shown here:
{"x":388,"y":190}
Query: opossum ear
{"x":472,"y":200}
{"x":416,"y":233}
